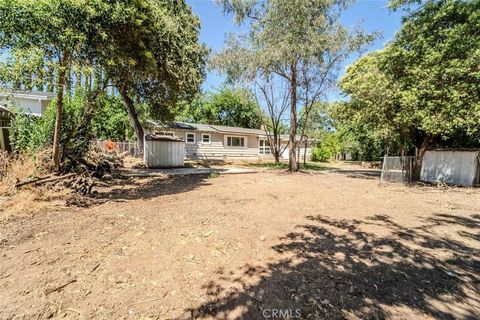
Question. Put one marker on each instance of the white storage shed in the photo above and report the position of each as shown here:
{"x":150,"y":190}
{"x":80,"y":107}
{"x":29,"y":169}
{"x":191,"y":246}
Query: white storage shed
{"x":163,"y":152}
{"x":459,"y":167}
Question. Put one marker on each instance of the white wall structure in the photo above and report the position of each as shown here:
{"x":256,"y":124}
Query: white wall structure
{"x":163,"y":152}
{"x":453,"y":167}
{"x":30,"y":102}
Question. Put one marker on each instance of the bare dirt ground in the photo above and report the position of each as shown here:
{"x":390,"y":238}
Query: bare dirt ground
{"x":254,"y":246}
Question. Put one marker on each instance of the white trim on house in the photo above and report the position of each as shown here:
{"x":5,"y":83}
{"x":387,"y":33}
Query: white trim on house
{"x":245,"y":141}
{"x":203,"y":135}
{"x":264,"y":147}
{"x":194,"y":137}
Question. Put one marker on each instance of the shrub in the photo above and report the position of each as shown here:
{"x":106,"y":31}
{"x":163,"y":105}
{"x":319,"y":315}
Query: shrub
{"x":30,"y":133}
{"x":327,"y":149}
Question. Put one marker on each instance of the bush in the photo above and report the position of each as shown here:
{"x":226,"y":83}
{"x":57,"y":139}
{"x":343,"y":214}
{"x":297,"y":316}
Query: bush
{"x":31,"y":133}
{"x":327,"y":149}
{"x":321,"y":155}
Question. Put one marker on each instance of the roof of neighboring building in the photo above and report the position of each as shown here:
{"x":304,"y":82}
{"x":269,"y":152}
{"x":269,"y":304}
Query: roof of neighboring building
{"x":27,"y":94}
{"x":4,"y":112}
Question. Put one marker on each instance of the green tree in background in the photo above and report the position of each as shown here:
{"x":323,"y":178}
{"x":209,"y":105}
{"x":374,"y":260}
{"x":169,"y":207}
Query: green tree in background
{"x":111,"y":121}
{"x":299,"y":42}
{"x":425,"y":84}
{"x":227,"y":107}
{"x":148,"y":49}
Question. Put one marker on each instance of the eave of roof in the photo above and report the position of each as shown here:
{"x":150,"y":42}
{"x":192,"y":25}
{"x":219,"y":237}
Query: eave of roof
{"x":27,"y":94}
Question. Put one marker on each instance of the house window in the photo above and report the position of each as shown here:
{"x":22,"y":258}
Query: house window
{"x":236,"y":141}
{"x":164,"y":133}
{"x":206,"y":138}
{"x":190,"y":137}
{"x":264,"y":147}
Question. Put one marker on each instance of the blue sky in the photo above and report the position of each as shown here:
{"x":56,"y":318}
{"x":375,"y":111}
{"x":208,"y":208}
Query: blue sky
{"x":372,"y":14}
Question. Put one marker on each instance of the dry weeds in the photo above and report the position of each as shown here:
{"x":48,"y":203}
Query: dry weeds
{"x":24,"y":201}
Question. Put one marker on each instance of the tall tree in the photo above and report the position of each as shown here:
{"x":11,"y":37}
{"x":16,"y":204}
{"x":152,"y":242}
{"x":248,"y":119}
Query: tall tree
{"x":424,"y":85}
{"x":153,"y":55}
{"x":234,"y":107}
{"x":301,"y":41}
{"x":57,"y":28}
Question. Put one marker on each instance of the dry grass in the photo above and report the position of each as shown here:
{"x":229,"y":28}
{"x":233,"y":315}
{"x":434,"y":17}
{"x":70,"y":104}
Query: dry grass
{"x":26,"y":200}
{"x":21,"y":168}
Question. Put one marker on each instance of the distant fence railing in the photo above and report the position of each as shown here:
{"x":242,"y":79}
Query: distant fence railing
{"x":397,"y":169}
{"x":117,"y":147}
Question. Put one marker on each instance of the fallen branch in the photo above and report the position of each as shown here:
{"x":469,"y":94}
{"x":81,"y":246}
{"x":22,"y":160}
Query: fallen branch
{"x":45,"y":179}
{"x":23,"y":183}
{"x":61,"y":286}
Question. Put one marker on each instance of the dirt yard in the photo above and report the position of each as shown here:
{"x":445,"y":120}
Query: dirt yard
{"x":254,"y":246}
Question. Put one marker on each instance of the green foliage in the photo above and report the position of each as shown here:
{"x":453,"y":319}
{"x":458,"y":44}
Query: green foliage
{"x":31,"y":133}
{"x":423,"y":86}
{"x":327,"y":149}
{"x":228,"y":107}
{"x":148,"y":49}
{"x":111,"y":121}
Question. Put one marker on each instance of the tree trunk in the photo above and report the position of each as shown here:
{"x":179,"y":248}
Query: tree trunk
{"x":68,"y":82}
{"x":419,"y":159}
{"x":59,"y":112}
{"x":39,"y":80}
{"x":132,"y":113}
{"x":50,"y":75}
{"x":305,"y":155}
{"x":299,"y":149}
{"x":292,"y":161}
{"x":78,"y":79}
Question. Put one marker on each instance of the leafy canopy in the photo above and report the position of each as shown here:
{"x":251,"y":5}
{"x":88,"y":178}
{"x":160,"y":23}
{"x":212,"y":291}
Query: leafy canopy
{"x":426,"y":83}
{"x":229,"y":107}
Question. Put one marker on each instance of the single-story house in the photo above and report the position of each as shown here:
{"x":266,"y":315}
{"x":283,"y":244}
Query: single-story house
{"x":28,"y":101}
{"x":214,"y":142}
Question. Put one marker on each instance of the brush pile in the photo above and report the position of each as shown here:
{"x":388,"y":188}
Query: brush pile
{"x":79,"y":175}
{"x":28,"y":184}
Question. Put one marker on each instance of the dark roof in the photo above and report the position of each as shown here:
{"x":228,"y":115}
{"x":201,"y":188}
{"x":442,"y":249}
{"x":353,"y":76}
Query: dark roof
{"x":217,"y":128}
{"x":151,"y":137}
{"x":228,"y":129}
{"x":4,"y":112}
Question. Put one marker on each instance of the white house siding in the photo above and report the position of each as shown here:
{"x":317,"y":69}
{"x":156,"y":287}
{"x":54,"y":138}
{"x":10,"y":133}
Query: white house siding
{"x":217,"y":148}
{"x":34,"y":106}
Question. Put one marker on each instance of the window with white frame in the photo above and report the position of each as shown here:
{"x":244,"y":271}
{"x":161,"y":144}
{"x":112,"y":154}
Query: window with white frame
{"x":236,"y":141}
{"x":190,"y":137}
{"x":264,"y":147}
{"x":206,"y":138}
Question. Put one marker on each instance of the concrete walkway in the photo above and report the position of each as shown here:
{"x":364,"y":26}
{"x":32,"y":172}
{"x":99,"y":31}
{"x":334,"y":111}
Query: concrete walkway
{"x":185,"y":171}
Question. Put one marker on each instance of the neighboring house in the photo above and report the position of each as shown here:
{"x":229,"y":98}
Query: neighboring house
{"x":5,"y":117}
{"x":31,"y":102}
{"x":203,"y":141}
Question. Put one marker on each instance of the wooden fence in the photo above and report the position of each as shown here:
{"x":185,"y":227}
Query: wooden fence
{"x":117,"y":147}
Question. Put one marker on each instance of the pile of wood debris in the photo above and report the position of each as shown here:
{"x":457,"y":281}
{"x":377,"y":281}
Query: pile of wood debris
{"x":92,"y":167}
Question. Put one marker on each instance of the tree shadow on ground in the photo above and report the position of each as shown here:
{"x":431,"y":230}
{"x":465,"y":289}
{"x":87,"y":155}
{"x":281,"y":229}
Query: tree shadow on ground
{"x":134,"y":188}
{"x":334,"y":269}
